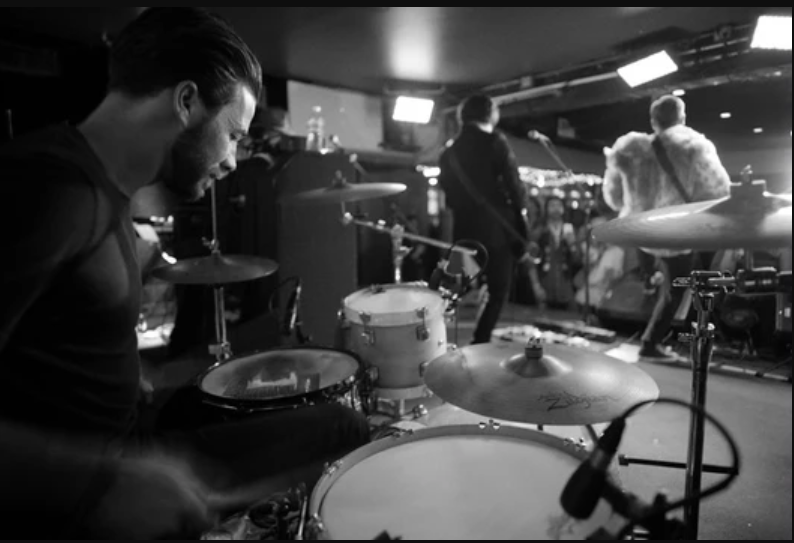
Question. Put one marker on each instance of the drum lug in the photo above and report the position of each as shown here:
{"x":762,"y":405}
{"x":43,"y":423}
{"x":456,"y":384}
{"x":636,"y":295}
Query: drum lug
{"x":369,"y":334}
{"x":491,"y":425}
{"x":377,"y":289}
{"x":330,"y":469}
{"x":372,"y":374}
{"x":578,"y":445}
{"x":422,"y":332}
{"x":344,"y":323}
{"x":316,"y":529}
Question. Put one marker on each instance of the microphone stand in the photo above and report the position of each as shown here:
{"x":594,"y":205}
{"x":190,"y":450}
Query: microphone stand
{"x":588,"y":314}
{"x":548,"y":146}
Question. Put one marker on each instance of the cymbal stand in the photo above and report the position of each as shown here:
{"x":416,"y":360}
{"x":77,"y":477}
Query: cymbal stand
{"x":399,"y":235}
{"x":706,"y":287}
{"x":222,"y":350}
{"x":702,"y":341}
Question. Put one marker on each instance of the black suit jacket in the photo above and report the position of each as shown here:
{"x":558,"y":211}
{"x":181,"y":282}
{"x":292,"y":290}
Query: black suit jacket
{"x":492,"y":168}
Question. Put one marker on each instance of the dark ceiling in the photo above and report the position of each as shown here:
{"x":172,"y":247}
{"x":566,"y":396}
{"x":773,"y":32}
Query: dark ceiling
{"x":461,"y":49}
{"x":364,"y":48}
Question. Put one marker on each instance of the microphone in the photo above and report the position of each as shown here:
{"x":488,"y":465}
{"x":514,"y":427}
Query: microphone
{"x":438,"y":277}
{"x":293,"y":308}
{"x":536,"y":135}
{"x":588,"y":485}
{"x":454,"y":285}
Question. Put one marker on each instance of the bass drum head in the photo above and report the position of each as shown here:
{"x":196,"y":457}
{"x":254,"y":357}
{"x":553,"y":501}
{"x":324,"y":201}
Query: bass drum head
{"x":464,"y":483}
{"x":278,"y":375}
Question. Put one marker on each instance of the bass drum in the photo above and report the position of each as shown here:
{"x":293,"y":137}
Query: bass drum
{"x":455,"y":483}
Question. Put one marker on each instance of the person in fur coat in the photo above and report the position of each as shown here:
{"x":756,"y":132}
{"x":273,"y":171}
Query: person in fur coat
{"x":636,"y":182}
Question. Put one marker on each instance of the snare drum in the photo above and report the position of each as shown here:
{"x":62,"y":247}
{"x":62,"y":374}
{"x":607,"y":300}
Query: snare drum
{"x":282,"y":379}
{"x":464,"y":482}
{"x":396,"y":329}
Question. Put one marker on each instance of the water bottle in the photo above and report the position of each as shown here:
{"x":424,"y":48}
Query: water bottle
{"x":315,"y":140}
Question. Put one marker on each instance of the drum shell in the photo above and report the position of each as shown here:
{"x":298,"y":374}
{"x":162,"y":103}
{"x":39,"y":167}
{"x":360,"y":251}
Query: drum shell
{"x":397,"y":344}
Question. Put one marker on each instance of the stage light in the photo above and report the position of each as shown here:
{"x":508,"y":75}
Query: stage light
{"x":679,"y":92}
{"x":726,"y":115}
{"x":414,"y":110}
{"x":759,"y":130}
{"x":773,"y":32}
{"x":648,"y":69}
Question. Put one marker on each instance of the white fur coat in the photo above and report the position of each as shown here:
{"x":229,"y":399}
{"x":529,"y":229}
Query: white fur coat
{"x":635,"y":181}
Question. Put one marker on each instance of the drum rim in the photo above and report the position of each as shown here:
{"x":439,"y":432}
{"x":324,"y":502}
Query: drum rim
{"x":405,"y":318}
{"x":252,"y":404}
{"x":337,"y":470}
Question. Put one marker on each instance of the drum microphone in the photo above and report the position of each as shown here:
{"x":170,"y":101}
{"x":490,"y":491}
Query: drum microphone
{"x":586,"y":488}
{"x":441,"y":278}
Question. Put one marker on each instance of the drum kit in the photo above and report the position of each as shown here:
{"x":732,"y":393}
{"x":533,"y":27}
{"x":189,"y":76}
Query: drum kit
{"x":460,"y":482}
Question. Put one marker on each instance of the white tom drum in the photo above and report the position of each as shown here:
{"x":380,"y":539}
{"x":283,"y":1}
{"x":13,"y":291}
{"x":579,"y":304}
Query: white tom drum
{"x":465,"y":482}
{"x":396,"y":329}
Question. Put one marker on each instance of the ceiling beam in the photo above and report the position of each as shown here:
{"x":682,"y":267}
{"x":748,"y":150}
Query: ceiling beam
{"x":751,"y":66}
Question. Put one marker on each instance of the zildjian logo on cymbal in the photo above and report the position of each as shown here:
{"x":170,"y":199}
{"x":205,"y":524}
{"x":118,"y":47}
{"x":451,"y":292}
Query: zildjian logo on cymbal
{"x":558,"y":402}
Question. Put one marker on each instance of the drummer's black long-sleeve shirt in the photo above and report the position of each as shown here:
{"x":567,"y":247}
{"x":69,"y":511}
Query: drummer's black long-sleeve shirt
{"x":69,"y":302}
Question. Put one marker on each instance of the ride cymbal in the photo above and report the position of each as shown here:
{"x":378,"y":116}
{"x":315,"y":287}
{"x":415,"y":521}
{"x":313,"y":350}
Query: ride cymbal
{"x":750,"y":218}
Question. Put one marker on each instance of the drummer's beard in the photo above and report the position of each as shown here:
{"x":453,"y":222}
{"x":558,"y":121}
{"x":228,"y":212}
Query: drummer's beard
{"x":188,"y":171}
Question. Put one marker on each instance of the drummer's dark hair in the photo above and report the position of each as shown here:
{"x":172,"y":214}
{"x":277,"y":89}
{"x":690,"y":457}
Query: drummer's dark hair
{"x":166,"y":46}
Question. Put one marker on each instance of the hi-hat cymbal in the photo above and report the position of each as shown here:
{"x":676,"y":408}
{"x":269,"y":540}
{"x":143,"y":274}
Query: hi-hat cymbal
{"x":345,"y":193}
{"x":216,"y":270}
{"x":750,"y":218}
{"x":550,"y":385}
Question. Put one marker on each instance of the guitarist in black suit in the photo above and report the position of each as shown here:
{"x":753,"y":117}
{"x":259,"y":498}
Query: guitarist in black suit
{"x":479,"y":175}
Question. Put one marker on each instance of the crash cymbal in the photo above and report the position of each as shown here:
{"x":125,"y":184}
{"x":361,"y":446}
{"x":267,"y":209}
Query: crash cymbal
{"x":749,"y":218}
{"x":344,"y":193}
{"x":216,"y":270}
{"x":550,"y":385}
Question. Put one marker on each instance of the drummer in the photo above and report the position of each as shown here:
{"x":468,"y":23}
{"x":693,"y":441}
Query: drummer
{"x":76,"y":462}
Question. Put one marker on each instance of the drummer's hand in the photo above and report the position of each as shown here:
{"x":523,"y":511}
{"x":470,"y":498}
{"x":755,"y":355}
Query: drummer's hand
{"x":153,"y":499}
